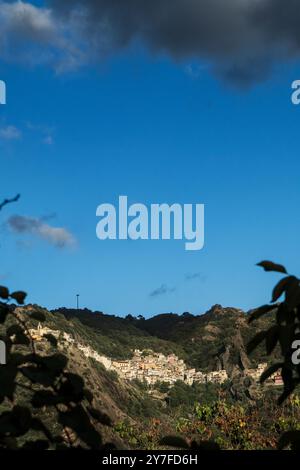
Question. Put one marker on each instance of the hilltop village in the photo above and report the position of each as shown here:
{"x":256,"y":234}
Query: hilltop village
{"x":154,"y":367}
{"x":148,"y":366}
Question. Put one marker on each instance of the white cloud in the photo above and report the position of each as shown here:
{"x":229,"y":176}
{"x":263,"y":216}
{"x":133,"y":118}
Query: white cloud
{"x":33,"y":35}
{"x":56,"y":236}
{"x":10,"y":133}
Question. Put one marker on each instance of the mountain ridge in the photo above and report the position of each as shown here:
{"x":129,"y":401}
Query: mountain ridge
{"x":213,"y":340}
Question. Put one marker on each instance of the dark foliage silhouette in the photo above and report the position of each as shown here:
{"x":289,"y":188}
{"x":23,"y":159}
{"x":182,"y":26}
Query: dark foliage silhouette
{"x":285,"y":332}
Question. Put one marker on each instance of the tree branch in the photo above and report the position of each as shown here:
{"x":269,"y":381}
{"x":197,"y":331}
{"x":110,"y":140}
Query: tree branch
{"x":9,"y":201}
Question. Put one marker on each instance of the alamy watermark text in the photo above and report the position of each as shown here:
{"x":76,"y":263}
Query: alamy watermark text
{"x":2,"y":92}
{"x":2,"y":352}
{"x":158,"y":222}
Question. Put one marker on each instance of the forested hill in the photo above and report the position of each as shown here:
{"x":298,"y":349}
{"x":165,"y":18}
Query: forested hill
{"x":213,"y":340}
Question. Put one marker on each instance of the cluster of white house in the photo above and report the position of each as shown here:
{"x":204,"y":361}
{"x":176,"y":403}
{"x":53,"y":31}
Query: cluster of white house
{"x":154,"y":367}
{"x":148,"y":366}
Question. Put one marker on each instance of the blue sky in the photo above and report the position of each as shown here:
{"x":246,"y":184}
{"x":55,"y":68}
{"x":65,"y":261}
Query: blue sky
{"x":144,"y":126}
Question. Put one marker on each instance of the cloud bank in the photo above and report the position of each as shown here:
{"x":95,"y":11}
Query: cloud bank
{"x":56,"y":236}
{"x":241,"y":40}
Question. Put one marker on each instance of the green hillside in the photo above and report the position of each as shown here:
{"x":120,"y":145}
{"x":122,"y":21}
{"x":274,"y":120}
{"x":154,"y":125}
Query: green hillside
{"x":131,"y":414}
{"x":215,"y":339}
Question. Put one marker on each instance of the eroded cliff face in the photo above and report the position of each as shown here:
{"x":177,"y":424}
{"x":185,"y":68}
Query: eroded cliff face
{"x":235,"y":354}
